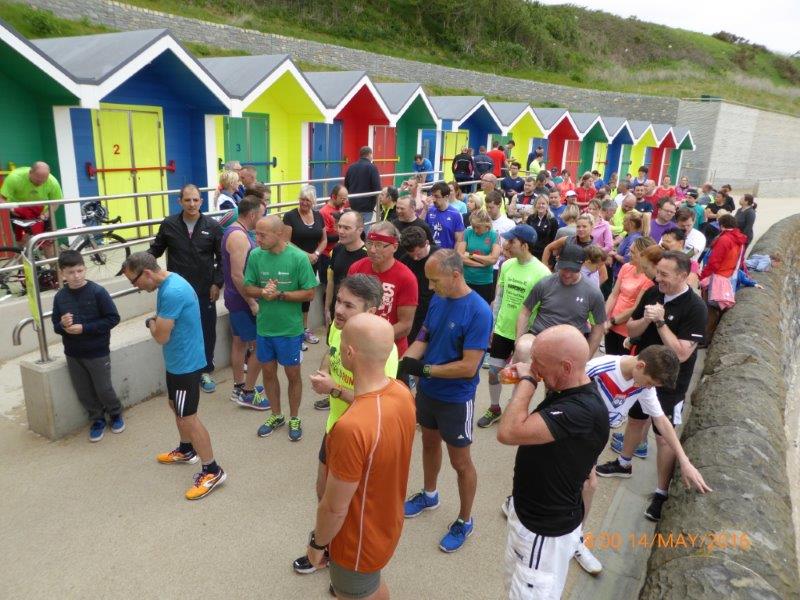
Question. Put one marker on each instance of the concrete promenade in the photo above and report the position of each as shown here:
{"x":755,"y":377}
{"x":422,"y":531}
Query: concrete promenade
{"x":81,"y":520}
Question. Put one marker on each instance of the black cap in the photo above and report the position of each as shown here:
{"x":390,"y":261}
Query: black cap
{"x":571,"y":258}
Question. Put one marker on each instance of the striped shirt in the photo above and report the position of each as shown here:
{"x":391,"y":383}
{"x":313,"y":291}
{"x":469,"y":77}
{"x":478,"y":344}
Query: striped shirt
{"x":618,"y":393}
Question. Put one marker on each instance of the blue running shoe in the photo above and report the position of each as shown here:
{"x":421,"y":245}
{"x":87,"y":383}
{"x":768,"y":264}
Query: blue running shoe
{"x":640,"y":452}
{"x":97,"y":430}
{"x":458,"y":534}
{"x":255,"y":399}
{"x":617,"y":437}
{"x":295,"y":430}
{"x":420,"y":502}
{"x":117,"y":424}
{"x":270,"y":425}
{"x":207,"y":384}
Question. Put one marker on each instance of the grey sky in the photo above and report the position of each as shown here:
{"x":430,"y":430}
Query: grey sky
{"x":771,"y":23}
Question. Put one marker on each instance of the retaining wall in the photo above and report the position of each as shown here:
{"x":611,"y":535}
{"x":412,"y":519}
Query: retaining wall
{"x":735,"y":436}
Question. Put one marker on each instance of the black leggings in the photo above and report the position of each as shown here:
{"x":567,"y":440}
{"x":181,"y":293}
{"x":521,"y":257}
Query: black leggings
{"x":613,"y":343}
{"x":484,"y":290}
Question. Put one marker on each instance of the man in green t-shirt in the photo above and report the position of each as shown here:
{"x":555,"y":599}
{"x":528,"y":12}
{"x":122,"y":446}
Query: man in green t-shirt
{"x":279,"y":275}
{"x":517,"y":277}
{"x":359,"y":293}
{"x":29,"y":184}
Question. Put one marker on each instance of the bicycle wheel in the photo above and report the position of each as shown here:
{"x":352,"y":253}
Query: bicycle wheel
{"x":12,"y":278}
{"x":106,"y":263}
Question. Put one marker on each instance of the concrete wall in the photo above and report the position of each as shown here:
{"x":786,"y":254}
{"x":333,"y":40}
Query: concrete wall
{"x":735,"y":436}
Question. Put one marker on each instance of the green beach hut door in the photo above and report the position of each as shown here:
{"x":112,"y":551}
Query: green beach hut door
{"x":247,"y":140}
{"x":129,"y":149}
{"x":625,"y":165}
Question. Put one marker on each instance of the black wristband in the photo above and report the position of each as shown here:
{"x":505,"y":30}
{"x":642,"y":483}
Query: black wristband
{"x":529,"y":379}
{"x":147,"y":321}
{"x":313,"y":543}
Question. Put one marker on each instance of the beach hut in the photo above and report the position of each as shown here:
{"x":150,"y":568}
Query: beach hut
{"x":149,"y":130}
{"x":416,"y":124}
{"x":467,"y":121}
{"x":659,"y":156}
{"x":684,"y":141}
{"x":276,"y":102}
{"x":638,"y":155}
{"x":562,"y":143}
{"x":358,"y":117}
{"x":519,"y":124}
{"x":594,"y":138}
{"x":620,"y":138}
{"x":34,"y":88}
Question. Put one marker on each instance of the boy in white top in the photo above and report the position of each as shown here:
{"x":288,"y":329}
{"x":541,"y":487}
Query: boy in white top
{"x":622,"y":381}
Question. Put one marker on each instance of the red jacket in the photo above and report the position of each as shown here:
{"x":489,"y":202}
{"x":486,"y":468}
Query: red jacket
{"x":499,"y":159}
{"x":725,"y":253}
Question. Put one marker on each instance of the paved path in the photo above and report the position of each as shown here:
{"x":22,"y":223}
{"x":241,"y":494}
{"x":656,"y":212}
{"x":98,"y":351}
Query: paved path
{"x":106,"y":520}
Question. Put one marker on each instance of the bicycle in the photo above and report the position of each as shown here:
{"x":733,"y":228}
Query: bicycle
{"x":104,"y":264}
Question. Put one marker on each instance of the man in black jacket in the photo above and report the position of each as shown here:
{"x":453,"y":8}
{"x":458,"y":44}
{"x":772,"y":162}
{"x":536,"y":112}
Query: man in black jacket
{"x":363,"y":176}
{"x":193,"y":244}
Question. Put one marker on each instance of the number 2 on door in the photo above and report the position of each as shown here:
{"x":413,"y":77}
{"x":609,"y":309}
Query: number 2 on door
{"x":116,"y":148}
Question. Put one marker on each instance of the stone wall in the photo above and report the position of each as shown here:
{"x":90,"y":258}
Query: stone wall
{"x":126,"y":17}
{"x":735,"y":436}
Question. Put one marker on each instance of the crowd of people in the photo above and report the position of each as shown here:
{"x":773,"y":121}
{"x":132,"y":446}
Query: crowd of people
{"x":602,"y":292}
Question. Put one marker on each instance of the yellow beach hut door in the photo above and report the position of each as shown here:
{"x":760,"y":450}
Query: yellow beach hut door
{"x":129,"y":149}
{"x":454,"y":141}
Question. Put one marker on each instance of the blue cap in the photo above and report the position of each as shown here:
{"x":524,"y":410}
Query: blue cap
{"x":526,"y":233}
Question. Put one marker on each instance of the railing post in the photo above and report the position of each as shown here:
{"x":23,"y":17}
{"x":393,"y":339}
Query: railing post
{"x":44,"y":354}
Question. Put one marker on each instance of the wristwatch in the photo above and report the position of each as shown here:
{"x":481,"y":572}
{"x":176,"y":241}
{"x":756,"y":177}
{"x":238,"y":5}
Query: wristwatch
{"x":660,"y":323}
{"x":281,"y":295}
{"x":426,"y":371}
{"x":313,"y":543}
{"x":335,"y":393}
{"x":147,"y":321}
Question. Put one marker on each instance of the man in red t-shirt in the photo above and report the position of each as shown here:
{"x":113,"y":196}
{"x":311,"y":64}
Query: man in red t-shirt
{"x":400,"y":289}
{"x":665,"y":190}
{"x":360,"y":515}
{"x":498,"y":158}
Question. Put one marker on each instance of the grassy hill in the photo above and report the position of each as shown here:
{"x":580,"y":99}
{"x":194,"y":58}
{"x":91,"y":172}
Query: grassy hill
{"x":557,"y":44}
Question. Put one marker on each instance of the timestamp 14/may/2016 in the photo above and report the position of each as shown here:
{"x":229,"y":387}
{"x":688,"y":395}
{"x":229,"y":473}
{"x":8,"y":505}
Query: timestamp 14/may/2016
{"x":709,"y":540}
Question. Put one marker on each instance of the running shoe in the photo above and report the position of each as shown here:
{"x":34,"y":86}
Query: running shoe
{"x":456,"y":536}
{"x":616,"y":446}
{"x":489,"y":418}
{"x":117,"y":424}
{"x":207,"y":383}
{"x":308,"y":336}
{"x":587,"y":560}
{"x":303,"y":566}
{"x":418,"y":503}
{"x":303,"y":346}
{"x":653,"y":512}
{"x":97,"y":430}
{"x":613,"y":469}
{"x":506,"y":506}
{"x":204,"y":483}
{"x":295,"y":430}
{"x":255,"y":399}
{"x":176,"y":456}
{"x":236,"y":394}
{"x":323,"y":404}
{"x":270,"y":425}
{"x":485,"y":364}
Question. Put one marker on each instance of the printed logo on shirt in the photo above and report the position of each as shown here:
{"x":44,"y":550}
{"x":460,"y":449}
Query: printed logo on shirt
{"x":387,"y":302}
{"x":579,"y":299}
{"x":204,"y":232}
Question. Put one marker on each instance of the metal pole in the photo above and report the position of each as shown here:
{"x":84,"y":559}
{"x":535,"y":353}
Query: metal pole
{"x":40,"y":330}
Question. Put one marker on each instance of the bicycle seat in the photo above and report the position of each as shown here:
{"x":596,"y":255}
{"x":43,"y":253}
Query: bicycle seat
{"x":24,"y":223}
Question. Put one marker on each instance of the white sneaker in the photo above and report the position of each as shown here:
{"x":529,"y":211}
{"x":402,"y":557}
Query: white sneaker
{"x":587,"y":560}
{"x":506,"y":506}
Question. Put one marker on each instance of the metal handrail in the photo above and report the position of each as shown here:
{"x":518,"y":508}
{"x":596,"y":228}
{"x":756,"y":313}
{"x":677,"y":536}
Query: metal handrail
{"x":34,"y":240}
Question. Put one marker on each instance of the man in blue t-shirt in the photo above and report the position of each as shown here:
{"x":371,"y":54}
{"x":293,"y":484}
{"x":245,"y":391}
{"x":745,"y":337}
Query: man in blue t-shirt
{"x":446,"y":356}
{"x":445,"y":221}
{"x":177,"y":328}
{"x":423,"y":165}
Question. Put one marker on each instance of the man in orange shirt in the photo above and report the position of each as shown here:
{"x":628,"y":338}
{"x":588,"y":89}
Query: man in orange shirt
{"x":360,"y":516}
{"x":498,"y":158}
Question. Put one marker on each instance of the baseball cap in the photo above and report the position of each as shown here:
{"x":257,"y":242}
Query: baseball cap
{"x":526,"y":233}
{"x":693,"y":193}
{"x":570,"y":193}
{"x":571,"y":258}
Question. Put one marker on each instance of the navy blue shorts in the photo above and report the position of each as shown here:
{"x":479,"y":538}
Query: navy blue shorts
{"x":453,"y":420}
{"x":288,"y":351}
{"x":243,"y":325}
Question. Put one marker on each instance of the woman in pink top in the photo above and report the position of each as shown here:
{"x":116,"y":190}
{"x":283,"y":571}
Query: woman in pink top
{"x":633,"y":279}
{"x":601,"y":230}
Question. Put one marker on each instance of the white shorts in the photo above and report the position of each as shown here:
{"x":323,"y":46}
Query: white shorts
{"x":536,"y":566}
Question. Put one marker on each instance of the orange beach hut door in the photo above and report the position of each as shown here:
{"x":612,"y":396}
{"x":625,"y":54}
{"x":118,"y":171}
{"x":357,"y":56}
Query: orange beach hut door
{"x":384,"y":151}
